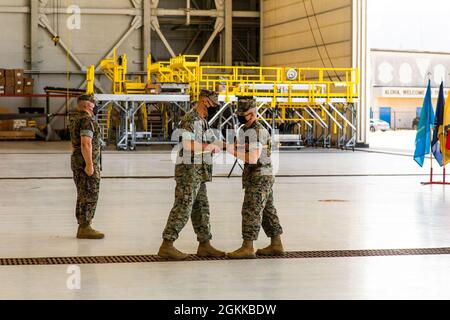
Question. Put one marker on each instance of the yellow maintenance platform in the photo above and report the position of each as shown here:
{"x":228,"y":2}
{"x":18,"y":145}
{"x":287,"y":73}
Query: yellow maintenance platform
{"x":317,"y":105}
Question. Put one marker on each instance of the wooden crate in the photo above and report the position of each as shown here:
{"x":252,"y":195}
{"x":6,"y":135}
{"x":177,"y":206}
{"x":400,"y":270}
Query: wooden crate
{"x":17,"y":135}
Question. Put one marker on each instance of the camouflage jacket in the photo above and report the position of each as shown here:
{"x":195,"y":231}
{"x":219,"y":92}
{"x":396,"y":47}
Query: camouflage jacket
{"x":258,"y":138}
{"x":82,"y":124}
{"x":194,"y":165}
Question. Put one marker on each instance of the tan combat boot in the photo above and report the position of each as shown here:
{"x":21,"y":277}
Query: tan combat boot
{"x":86,"y":232}
{"x":275,"y":248}
{"x":205,"y":249}
{"x":169,"y":252}
{"x":244,"y":252}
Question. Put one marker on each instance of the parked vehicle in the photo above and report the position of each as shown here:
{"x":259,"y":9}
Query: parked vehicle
{"x":376,"y":124}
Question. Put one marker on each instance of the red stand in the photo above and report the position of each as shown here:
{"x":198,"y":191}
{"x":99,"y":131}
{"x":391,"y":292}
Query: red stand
{"x":431,"y":182}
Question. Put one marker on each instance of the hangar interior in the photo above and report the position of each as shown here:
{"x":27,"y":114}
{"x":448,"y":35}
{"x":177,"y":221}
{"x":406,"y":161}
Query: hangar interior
{"x":357,"y":223}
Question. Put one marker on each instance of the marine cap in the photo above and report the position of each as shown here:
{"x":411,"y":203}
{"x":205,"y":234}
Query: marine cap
{"x":87,"y":97}
{"x":245,"y":104}
{"x":212,"y":95}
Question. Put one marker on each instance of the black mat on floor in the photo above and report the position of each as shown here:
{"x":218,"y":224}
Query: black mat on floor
{"x":288,"y":255}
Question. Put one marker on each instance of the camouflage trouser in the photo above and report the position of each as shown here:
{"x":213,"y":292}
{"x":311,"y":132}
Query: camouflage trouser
{"x":258,"y":209}
{"x":87,"y":195}
{"x":191,"y":199}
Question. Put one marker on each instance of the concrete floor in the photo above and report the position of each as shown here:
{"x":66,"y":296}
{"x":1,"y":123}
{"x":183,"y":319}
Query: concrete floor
{"x":381,"y":205}
{"x":400,"y":141}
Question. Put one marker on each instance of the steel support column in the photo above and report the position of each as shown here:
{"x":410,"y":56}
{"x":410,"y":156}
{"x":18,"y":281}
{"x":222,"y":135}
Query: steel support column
{"x":146,"y":31}
{"x":34,"y":35}
{"x":361,"y":61}
{"x":261,"y":33}
{"x":228,"y":32}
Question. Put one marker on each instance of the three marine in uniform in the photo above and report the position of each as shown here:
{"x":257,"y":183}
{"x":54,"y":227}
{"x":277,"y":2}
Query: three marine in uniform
{"x":192,"y":171}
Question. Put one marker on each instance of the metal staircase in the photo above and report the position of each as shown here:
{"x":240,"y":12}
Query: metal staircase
{"x":103,"y":118}
{"x":154,"y":121}
{"x":155,"y":124}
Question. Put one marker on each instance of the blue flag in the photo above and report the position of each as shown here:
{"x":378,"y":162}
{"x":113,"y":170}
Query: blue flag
{"x":438,"y":122}
{"x":424,"y":129}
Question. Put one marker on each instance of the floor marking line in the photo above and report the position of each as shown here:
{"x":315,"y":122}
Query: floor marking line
{"x":233,"y":176}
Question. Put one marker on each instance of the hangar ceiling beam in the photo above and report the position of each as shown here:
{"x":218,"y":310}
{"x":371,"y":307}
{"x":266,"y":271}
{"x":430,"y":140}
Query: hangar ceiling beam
{"x":160,"y":12}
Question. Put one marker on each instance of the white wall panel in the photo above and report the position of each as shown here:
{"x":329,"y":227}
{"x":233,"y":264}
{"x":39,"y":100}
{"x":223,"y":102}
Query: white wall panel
{"x":12,"y":42}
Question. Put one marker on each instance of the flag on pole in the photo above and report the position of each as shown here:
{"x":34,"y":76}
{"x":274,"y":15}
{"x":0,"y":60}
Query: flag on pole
{"x":424,"y":129}
{"x":445,"y":135}
{"x":438,"y":126}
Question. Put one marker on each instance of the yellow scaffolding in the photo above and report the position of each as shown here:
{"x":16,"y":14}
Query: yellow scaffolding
{"x":274,"y":82}
{"x":305,"y":96}
{"x":258,"y":81}
{"x":115,"y":68}
{"x":90,"y":80}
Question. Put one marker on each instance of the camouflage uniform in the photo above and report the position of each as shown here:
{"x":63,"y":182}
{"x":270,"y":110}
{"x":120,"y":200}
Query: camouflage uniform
{"x":192,"y":171}
{"x":257,"y":180}
{"x":82,"y":124}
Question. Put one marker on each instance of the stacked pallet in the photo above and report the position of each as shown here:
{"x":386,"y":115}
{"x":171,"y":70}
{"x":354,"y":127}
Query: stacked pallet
{"x":17,"y":135}
{"x":16,"y":129}
{"x":13,"y":82}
